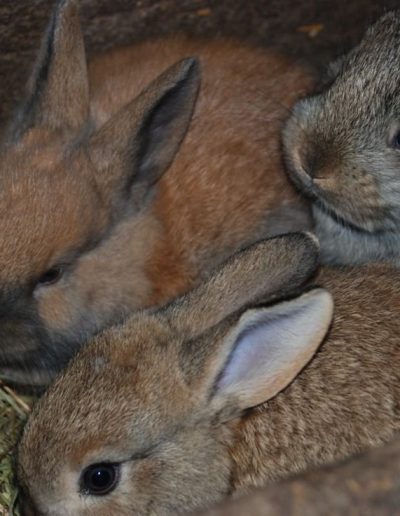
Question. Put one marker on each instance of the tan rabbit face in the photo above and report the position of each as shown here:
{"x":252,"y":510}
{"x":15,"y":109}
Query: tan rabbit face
{"x":342,"y":145}
{"x":75,"y":202}
{"x":142,"y":420}
{"x":134,"y":449}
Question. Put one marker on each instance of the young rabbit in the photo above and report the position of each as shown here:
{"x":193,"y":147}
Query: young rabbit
{"x":90,"y":230}
{"x":180,"y":407}
{"x":342,"y":147}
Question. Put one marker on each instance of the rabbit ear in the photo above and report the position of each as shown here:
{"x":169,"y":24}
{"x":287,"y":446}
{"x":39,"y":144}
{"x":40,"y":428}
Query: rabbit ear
{"x":265,"y":351}
{"x":266,"y":270}
{"x":136,"y":146}
{"x":58,"y":91}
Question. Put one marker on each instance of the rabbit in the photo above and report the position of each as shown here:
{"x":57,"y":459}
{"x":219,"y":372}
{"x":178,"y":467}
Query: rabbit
{"x":233,"y":395}
{"x":342,"y":148}
{"x":92,"y":229}
{"x":367,"y":485}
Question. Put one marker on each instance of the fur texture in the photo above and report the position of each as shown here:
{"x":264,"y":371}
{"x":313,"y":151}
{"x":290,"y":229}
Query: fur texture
{"x":343,"y":150}
{"x":83,"y":202}
{"x":183,"y":403}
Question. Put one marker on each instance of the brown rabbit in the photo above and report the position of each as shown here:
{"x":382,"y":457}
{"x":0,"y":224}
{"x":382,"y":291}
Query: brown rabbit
{"x":179,"y":407}
{"x":90,"y":230}
{"x":343,"y":150}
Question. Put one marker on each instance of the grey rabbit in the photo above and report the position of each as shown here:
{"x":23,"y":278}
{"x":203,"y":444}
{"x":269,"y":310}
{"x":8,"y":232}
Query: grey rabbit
{"x":215,"y":393}
{"x":342,"y":148}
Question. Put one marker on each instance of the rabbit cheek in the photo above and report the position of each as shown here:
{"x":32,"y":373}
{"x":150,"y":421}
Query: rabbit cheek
{"x":67,"y":309}
{"x":53,"y":308}
{"x":201,"y":466}
{"x":354,"y":196}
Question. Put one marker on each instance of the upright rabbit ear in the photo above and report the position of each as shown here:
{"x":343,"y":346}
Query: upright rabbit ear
{"x":58,"y":91}
{"x":265,"y":351}
{"x":137,"y":145}
{"x":266,"y":270}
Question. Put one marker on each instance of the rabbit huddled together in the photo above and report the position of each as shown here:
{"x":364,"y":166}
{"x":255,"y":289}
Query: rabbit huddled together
{"x":178,"y":407}
{"x":92,"y":229}
{"x":220,"y":356}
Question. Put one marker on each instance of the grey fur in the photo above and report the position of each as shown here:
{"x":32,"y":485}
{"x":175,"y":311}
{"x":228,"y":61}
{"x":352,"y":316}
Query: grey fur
{"x":339,"y":150}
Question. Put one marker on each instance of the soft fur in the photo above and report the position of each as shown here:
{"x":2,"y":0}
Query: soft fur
{"x":343,"y":150}
{"x":166,"y":396}
{"x":82,"y":188}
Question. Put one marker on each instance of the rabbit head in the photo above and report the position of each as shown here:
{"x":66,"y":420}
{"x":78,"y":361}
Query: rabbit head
{"x":67,"y":192}
{"x":342,"y":144}
{"x":139,"y":423}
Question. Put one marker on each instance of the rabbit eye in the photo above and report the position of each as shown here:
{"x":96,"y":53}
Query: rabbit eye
{"x":51,"y":276}
{"x":99,"y":479}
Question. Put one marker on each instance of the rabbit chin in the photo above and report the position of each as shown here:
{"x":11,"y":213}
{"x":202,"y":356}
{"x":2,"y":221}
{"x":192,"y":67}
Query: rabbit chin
{"x":344,"y":243}
{"x":369,"y":217}
{"x":348,"y":214}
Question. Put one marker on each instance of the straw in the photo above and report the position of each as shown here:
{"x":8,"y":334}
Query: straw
{"x":13,"y":412}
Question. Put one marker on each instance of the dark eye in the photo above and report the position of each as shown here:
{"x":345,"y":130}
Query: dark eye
{"x":51,"y":276}
{"x":395,"y":140}
{"x":99,"y":479}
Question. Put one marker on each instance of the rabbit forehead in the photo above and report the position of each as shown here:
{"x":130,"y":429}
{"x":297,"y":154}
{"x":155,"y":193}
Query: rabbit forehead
{"x":369,"y":72}
{"x":47,"y":204}
{"x":109,"y":405}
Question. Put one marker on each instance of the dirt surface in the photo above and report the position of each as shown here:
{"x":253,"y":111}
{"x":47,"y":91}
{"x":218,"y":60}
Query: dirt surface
{"x":313,"y":30}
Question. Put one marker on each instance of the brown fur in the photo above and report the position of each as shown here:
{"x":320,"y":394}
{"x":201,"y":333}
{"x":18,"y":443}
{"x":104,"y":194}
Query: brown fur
{"x":346,"y":400}
{"x":129,"y":363}
{"x":192,"y":445}
{"x":65,"y":179}
{"x":229,"y":174}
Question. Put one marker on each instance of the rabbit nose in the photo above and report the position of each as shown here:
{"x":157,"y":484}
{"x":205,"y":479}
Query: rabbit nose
{"x":318,"y":162}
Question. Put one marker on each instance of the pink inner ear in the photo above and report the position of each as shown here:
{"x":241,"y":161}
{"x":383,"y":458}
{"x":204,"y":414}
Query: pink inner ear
{"x":258,"y":352}
{"x":270,"y":346}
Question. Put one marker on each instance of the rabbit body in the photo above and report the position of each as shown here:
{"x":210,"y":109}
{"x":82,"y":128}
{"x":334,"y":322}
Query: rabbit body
{"x":183,"y":402}
{"x":342,"y":150}
{"x":91,"y":230}
{"x":345,"y":400}
{"x":224,"y":190}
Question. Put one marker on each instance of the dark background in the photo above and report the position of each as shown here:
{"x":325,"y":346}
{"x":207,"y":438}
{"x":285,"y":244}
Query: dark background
{"x":111,"y":22}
